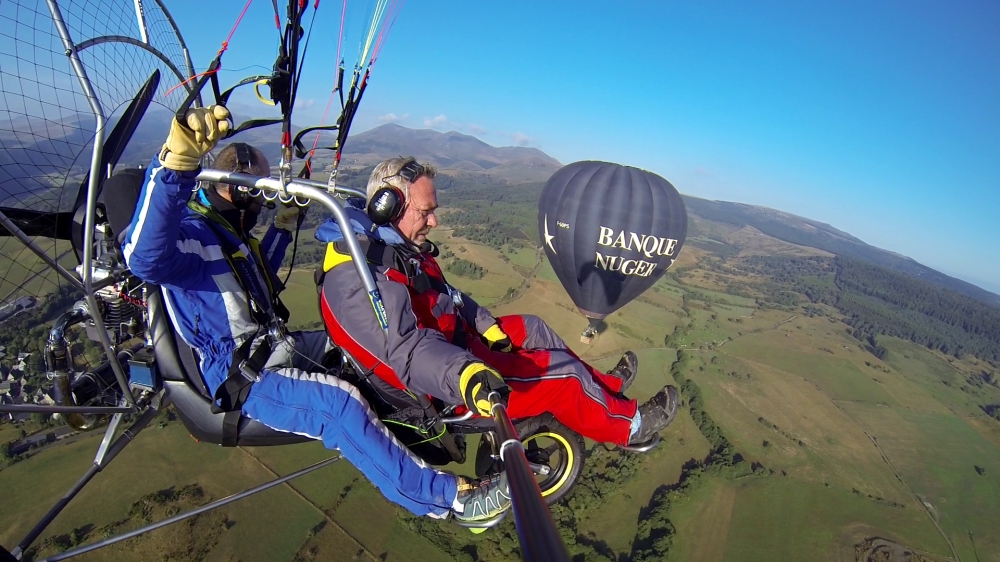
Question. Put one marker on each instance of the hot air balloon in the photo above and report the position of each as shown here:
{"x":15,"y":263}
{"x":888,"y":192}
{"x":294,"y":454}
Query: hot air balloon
{"x":609,"y":231}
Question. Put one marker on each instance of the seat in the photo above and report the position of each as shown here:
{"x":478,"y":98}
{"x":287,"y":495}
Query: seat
{"x":176,"y":360}
{"x":186,"y":389}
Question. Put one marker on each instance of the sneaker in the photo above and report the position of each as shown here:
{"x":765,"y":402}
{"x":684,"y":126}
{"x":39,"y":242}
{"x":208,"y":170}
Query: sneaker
{"x":484,"y":499}
{"x":626,"y":370}
{"x":657,"y":413}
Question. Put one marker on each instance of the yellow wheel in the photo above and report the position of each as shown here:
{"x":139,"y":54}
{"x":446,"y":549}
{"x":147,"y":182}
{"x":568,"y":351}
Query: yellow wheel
{"x":555,"y":453}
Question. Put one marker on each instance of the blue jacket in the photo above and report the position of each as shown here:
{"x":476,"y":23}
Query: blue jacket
{"x":173,"y":246}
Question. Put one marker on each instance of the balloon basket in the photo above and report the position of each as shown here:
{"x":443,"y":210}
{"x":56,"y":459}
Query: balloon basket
{"x":588,"y":335}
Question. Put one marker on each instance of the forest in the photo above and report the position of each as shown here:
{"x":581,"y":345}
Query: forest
{"x":492,"y":215}
{"x":875,"y":300}
{"x":879,"y":301}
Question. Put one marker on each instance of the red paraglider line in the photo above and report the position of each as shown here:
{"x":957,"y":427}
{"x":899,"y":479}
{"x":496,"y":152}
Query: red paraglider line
{"x":340,"y":38}
{"x":329,"y":102}
{"x":387,"y":23}
{"x":225,"y":44}
{"x":218,"y":55}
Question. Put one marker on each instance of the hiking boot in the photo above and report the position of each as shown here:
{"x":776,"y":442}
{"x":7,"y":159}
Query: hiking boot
{"x":626,"y":370}
{"x":656,"y":414}
{"x":484,"y":499}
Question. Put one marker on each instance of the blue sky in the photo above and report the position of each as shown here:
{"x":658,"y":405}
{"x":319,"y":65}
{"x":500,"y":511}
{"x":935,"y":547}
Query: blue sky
{"x":880,"y":118}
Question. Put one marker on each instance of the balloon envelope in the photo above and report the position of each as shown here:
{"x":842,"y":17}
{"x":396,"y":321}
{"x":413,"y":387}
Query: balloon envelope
{"x":609,"y":231}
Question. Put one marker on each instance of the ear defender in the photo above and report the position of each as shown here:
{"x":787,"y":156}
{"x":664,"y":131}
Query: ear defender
{"x":388,"y":202}
{"x":386,"y":205}
{"x":241,"y":197}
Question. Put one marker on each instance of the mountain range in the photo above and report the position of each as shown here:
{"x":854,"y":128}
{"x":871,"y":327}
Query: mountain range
{"x":457,"y":155}
{"x":465,"y":156}
{"x":805,"y":232}
{"x":453,"y":153}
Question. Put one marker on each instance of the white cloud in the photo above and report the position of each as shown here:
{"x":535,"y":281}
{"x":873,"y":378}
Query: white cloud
{"x":521,"y":139}
{"x":435,"y":121}
{"x":392,"y":118}
{"x":476,"y":129}
{"x":305,"y":104}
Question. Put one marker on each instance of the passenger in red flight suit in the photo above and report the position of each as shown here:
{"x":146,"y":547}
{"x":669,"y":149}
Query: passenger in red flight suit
{"x":442,"y":343}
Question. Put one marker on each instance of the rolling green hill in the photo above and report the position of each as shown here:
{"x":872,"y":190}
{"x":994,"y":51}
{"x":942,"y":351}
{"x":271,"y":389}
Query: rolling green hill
{"x":834,"y":409}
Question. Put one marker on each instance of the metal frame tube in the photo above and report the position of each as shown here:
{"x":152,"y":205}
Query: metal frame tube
{"x":109,"y":436}
{"x":135,"y":43}
{"x":192,"y":513}
{"x":338,"y":190}
{"x":140,"y":16}
{"x":184,"y":49}
{"x":536,"y":531}
{"x":180,"y":39}
{"x":98,"y":465}
{"x":55,"y":511}
{"x":95,"y":175}
{"x":323,"y":196}
{"x":46,"y":409}
{"x":30,"y":244}
{"x":127,"y":436}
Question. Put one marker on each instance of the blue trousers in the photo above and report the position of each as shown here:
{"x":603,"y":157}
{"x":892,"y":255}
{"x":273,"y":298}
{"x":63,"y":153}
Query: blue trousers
{"x":294,"y":395}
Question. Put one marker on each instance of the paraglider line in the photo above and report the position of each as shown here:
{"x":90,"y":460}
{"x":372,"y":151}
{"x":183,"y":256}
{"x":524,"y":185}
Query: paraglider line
{"x":195,"y":77}
{"x":340,"y":37}
{"x":277,"y":17}
{"x":379,"y":12}
{"x":305,"y":48}
{"x":225,"y":44}
{"x":387,"y":23}
{"x":218,"y":55}
{"x":333,"y":92}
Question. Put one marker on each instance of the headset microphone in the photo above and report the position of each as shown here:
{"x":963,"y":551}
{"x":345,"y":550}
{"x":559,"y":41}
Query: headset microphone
{"x":241,"y":197}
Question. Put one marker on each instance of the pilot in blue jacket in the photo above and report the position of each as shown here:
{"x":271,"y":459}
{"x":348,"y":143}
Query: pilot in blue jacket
{"x":219,"y":290}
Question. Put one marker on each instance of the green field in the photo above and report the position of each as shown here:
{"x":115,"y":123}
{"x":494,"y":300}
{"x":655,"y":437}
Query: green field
{"x":781,"y":519}
{"x":937,"y":455}
{"x":500,"y":276}
{"x":847,"y":447}
{"x":26,"y":273}
{"x":164,"y":458}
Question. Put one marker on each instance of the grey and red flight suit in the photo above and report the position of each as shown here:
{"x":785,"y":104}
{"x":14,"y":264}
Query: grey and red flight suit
{"x":434,"y":333}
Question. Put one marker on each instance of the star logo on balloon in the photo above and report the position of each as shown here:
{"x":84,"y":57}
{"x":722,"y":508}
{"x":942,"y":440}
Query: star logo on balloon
{"x":548,"y":237}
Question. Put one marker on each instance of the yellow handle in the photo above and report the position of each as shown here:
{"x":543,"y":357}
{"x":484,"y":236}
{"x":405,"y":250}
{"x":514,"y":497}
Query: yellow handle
{"x":256,"y":89}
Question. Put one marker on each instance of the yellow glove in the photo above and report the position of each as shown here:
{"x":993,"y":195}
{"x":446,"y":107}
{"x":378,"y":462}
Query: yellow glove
{"x":187,"y":144}
{"x":476,"y":383}
{"x":497,"y":339}
{"x":287,"y":217}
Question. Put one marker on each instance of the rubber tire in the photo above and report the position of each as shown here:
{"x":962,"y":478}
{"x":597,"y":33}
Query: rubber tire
{"x":548,"y":424}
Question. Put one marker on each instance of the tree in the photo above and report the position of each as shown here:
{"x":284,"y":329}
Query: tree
{"x":43,"y":420}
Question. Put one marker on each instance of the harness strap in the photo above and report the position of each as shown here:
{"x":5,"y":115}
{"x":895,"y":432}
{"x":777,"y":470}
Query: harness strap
{"x":393,"y":258}
{"x":274,"y":284}
{"x":264,"y":305}
{"x":233,"y":392}
{"x":262,"y":308}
